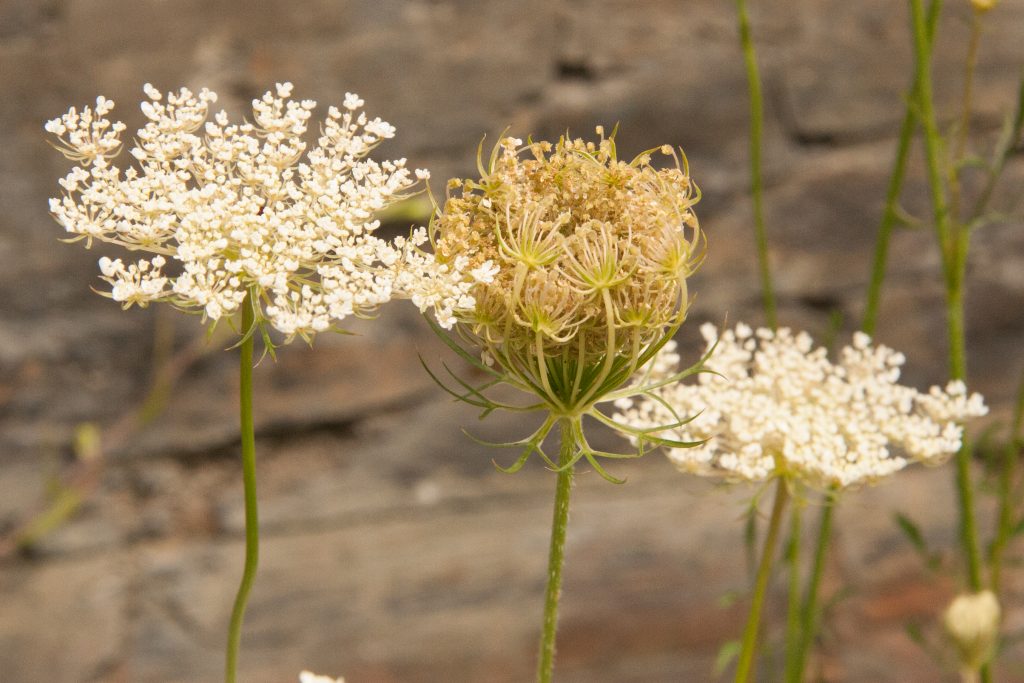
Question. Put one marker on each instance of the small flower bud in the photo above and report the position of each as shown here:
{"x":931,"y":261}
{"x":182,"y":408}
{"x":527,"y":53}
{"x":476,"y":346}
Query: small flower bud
{"x":982,"y":6}
{"x":972,"y":620}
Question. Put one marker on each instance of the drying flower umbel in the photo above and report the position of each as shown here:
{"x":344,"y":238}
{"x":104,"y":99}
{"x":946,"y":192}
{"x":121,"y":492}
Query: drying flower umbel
{"x":776,"y":406}
{"x":579,"y":265}
{"x":580,"y":262}
{"x":227,"y":209}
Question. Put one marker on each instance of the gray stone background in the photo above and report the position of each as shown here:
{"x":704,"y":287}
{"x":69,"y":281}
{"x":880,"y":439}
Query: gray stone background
{"x":393,"y":551}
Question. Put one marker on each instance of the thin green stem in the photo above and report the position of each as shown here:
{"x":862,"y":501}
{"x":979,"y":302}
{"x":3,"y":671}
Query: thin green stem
{"x":1007,"y":477}
{"x":964,"y":127}
{"x":252,"y":530}
{"x":926,"y":114}
{"x":890,"y":215}
{"x":793,"y":608}
{"x":809,"y":616}
{"x":756,"y":184}
{"x":556,"y":554}
{"x":953,"y":241}
{"x":745,"y":664}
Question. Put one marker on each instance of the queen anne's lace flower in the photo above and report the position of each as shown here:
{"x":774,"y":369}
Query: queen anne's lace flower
{"x":778,"y":406}
{"x":229,"y":209}
{"x":578,"y":260}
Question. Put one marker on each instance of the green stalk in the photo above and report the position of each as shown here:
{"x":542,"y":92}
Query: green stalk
{"x":1007,"y":475}
{"x":744,"y":666}
{"x":252,"y":530}
{"x":890,"y":215}
{"x":809,"y":614}
{"x":756,"y":186}
{"x":963,"y":129}
{"x":889,"y":219}
{"x":793,"y":609}
{"x":556,"y":554}
{"x":953,"y":243}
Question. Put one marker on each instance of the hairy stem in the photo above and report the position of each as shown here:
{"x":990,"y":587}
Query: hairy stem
{"x":252,"y":530}
{"x":745,"y":664}
{"x":756,"y":185}
{"x":556,"y":554}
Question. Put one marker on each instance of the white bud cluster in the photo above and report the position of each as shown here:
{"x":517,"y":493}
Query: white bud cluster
{"x":972,"y":620}
{"x":778,"y":406}
{"x":226,"y":209}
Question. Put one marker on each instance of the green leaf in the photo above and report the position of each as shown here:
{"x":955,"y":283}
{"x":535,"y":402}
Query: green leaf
{"x":916,"y":538}
{"x":728,"y":652}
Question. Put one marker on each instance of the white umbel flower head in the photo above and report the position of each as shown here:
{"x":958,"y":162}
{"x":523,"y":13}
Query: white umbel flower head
{"x":778,"y":407}
{"x":223,"y":210}
{"x":310,"y":677}
{"x":972,"y":621}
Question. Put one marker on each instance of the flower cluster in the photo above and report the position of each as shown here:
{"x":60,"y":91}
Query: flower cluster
{"x":775,"y":405}
{"x":580,"y":261}
{"x":228,"y":210}
{"x":310,"y":677}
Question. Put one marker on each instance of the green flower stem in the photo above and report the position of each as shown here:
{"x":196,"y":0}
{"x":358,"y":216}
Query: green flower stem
{"x":953,"y":243}
{"x":809,"y":616}
{"x":793,"y":609}
{"x":964,"y":127}
{"x":252,"y":530}
{"x":890,"y":215}
{"x":556,"y":555}
{"x":1007,"y":500}
{"x":756,"y":185}
{"x":744,"y":666}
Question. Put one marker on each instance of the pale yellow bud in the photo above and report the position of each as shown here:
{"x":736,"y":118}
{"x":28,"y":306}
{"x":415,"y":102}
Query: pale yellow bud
{"x":982,"y":6}
{"x":972,"y":620}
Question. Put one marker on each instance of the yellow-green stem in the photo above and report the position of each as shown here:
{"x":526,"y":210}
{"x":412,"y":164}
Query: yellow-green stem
{"x":809,"y":611}
{"x":756,"y":184}
{"x":964,"y":127}
{"x":890,"y":215}
{"x":953,"y":240}
{"x":1007,"y":501}
{"x":748,"y":650}
{"x":556,"y":554}
{"x":252,"y":530}
{"x":953,"y":243}
{"x":793,"y":610}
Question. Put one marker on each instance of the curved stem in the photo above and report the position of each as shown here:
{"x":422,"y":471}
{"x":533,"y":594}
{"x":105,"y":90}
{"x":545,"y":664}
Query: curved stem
{"x":744,"y":666}
{"x":809,"y":612}
{"x":556,"y":554}
{"x":756,"y":187}
{"x":252,"y":531}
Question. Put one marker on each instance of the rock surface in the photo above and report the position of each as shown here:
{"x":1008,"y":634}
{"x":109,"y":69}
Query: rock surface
{"x":393,"y":551}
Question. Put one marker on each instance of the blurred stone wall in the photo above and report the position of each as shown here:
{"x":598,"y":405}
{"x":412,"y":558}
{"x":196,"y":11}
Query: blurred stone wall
{"x":393,"y":550}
